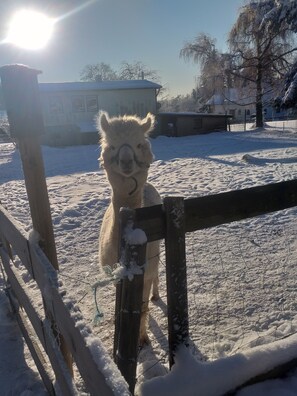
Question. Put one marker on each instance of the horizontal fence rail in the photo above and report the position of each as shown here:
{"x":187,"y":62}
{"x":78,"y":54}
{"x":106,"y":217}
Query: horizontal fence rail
{"x":214,"y":210}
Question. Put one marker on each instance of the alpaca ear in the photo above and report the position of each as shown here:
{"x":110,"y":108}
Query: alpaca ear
{"x":148,"y":123}
{"x":103,"y":122}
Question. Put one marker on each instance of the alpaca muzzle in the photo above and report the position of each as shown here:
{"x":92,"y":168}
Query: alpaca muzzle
{"x":126,"y":159}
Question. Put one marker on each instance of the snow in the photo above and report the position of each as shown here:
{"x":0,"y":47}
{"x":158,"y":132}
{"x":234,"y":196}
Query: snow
{"x":229,"y":373}
{"x":241,"y":276}
{"x":101,"y":85}
{"x":136,"y":237}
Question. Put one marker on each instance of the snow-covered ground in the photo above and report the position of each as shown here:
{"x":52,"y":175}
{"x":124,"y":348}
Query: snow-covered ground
{"x":241,"y":277}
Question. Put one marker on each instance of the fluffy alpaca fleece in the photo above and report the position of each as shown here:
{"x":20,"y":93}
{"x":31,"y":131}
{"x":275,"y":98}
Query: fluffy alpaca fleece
{"x":126,"y":157}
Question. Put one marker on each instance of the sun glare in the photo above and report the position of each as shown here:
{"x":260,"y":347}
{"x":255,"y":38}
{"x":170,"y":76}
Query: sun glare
{"x":30,"y":30}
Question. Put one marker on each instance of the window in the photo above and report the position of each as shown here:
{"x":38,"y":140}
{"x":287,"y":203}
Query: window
{"x":78,"y":104}
{"x":92,"y":103}
{"x":55,"y":104}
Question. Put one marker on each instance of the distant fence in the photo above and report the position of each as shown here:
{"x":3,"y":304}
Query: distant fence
{"x":175,"y":218}
{"x":279,"y":124}
{"x":95,"y":366}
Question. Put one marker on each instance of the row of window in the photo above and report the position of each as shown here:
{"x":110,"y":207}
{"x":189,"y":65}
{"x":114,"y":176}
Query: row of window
{"x":239,"y":112}
{"x":89,"y":103}
{"x":80,"y":104}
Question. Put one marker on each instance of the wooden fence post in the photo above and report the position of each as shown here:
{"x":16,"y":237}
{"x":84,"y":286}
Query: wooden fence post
{"x":21,"y":96}
{"x":133,"y":258}
{"x":125,"y":216}
{"x":176,"y":275}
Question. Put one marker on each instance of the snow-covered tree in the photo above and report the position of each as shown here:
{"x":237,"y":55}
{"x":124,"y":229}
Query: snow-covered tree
{"x":202,"y":50}
{"x":285,"y":12}
{"x":262,"y":44}
{"x":289,"y":93}
{"x":180,"y":103}
{"x":282,"y":12}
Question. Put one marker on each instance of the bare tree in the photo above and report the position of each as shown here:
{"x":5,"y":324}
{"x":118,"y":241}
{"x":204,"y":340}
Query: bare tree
{"x":137,"y":71}
{"x":98,"y":72}
{"x":128,"y":71}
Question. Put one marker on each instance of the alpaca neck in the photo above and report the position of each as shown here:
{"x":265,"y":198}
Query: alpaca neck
{"x":127,"y":192}
{"x":127,"y":201}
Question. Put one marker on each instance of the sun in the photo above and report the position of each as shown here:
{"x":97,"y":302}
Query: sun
{"x":30,"y":29}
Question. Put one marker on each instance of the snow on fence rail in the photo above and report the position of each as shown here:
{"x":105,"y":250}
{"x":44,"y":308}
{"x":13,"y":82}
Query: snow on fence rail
{"x":99,"y":373}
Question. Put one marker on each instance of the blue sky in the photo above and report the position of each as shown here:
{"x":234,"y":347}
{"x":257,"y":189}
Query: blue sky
{"x":112,"y":31}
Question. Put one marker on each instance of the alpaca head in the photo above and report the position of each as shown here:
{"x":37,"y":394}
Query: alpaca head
{"x":125,"y":148}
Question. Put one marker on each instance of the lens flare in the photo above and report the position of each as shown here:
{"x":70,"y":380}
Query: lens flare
{"x":30,"y":29}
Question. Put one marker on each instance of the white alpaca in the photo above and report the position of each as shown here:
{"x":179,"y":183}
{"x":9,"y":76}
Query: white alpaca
{"x":126,"y":157}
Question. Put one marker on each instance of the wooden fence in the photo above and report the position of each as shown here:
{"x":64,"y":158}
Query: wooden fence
{"x":171,"y":221}
{"x":97,"y":380}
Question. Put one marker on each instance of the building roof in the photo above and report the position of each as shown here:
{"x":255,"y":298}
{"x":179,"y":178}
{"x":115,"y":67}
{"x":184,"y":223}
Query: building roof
{"x":98,"y":86}
{"x":190,"y":114}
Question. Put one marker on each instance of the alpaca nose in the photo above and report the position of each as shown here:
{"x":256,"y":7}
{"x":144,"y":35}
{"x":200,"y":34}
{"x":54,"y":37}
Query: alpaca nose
{"x":126,"y":165}
{"x":126,"y":162}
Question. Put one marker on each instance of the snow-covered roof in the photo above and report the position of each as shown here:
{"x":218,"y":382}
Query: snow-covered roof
{"x":97,"y":86}
{"x":190,"y":114}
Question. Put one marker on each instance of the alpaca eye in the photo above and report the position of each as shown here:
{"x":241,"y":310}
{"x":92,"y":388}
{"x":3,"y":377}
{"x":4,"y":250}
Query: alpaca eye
{"x":139,"y":146}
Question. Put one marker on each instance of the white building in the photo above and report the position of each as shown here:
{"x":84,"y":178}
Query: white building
{"x":69,"y":108}
{"x":233,"y":103}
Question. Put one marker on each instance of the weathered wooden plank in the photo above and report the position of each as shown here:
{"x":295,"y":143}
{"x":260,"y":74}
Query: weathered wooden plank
{"x":214,"y":210}
{"x":176,"y":275}
{"x":21,"y":94}
{"x":91,"y":374}
{"x":95,"y":380}
{"x":36,"y":187}
{"x":16,"y":236}
{"x":43,"y":332}
{"x":44,"y":274}
{"x":30,"y":254}
{"x":33,"y":346}
{"x":152,"y":221}
{"x":18,"y":286}
{"x":133,"y":254}
{"x":124,"y":217}
{"x":238,"y":205}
